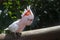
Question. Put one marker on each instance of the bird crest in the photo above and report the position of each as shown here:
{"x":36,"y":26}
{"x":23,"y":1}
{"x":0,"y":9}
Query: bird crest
{"x":27,"y":13}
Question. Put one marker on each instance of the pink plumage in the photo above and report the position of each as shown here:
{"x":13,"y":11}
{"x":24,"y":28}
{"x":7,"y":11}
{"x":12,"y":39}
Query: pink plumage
{"x":26,"y":20}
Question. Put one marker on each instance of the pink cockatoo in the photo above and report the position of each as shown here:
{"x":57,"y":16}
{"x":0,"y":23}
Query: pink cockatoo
{"x":20,"y":24}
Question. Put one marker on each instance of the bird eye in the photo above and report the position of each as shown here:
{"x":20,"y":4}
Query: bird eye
{"x":30,"y":19}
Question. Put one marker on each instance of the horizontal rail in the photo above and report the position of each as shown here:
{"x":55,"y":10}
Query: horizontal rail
{"x":50,"y":33}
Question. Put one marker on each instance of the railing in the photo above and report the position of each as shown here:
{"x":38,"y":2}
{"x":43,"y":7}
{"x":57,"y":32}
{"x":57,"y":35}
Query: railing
{"x":50,"y":33}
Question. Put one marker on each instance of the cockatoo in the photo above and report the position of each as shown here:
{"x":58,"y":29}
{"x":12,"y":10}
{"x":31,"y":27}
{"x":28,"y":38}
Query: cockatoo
{"x":26,"y":19}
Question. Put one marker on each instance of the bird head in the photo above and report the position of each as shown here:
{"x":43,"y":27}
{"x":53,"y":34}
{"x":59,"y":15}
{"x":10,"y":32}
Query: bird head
{"x":28,"y":12}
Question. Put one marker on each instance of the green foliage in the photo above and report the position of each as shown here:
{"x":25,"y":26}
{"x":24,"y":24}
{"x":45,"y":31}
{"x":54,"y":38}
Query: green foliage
{"x":11,"y":11}
{"x":47,"y":12}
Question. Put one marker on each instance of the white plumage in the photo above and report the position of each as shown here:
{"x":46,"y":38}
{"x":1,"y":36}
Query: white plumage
{"x":26,"y":20}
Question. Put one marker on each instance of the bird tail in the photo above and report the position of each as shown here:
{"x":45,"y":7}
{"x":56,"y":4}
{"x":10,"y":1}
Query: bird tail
{"x":6,"y":29}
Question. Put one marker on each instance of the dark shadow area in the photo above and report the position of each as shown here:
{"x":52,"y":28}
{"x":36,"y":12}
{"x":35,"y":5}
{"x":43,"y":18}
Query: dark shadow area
{"x":47,"y":14}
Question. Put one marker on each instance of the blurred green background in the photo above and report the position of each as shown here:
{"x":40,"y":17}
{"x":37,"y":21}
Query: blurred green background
{"x":46,"y":12}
